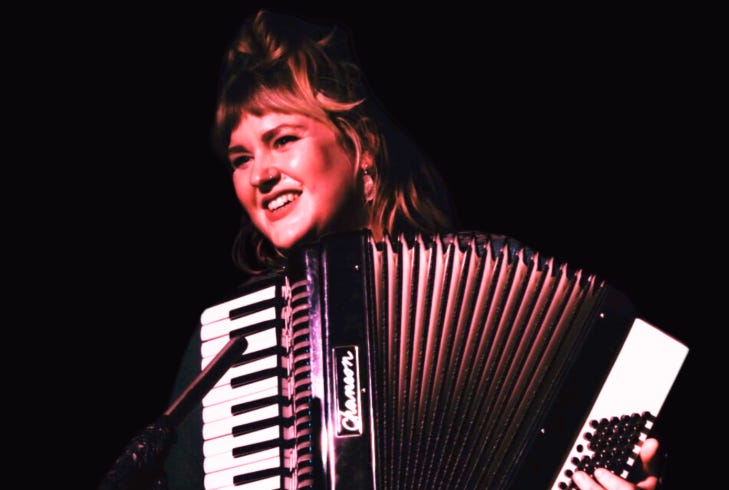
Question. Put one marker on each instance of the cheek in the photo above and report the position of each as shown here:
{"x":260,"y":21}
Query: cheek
{"x":243,"y":191}
{"x":337,"y":172}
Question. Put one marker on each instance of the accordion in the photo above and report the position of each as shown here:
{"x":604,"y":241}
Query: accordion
{"x":462,"y":360}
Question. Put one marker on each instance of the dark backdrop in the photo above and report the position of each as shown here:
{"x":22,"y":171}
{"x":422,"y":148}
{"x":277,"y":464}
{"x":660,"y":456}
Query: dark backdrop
{"x":575,"y":132}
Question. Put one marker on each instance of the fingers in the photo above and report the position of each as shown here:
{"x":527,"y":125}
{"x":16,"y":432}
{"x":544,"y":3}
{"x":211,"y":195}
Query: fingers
{"x":649,"y":457}
{"x":605,"y":480}
{"x":585,"y":482}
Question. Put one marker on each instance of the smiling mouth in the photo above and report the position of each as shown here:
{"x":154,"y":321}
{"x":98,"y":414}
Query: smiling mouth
{"x":281,"y":201}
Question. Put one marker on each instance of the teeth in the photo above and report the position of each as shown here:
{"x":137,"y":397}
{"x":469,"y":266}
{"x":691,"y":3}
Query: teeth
{"x":281,"y":201}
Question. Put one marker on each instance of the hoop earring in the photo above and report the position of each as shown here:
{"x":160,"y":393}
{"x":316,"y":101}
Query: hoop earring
{"x":369,"y":186}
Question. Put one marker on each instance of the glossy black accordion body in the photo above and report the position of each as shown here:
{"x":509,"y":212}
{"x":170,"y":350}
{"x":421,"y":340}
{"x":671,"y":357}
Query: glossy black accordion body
{"x":447,"y":361}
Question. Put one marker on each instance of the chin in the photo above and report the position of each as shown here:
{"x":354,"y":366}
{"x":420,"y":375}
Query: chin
{"x":288,"y":240}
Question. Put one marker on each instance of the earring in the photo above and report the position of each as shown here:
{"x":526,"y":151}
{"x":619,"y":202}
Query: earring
{"x":369,"y":185}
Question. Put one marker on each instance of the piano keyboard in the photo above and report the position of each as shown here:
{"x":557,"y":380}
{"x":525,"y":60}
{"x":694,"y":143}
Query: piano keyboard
{"x":245,"y":431}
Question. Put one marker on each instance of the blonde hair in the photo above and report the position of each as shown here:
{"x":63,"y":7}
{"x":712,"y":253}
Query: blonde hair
{"x":284,"y":64}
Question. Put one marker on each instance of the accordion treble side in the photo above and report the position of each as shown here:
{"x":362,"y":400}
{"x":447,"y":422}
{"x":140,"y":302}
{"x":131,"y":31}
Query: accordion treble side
{"x":461,"y":360}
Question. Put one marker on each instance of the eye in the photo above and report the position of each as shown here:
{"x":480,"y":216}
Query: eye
{"x":284,"y":140}
{"x":239,"y":161}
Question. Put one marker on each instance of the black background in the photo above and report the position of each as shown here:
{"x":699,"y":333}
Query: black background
{"x":581,"y":133}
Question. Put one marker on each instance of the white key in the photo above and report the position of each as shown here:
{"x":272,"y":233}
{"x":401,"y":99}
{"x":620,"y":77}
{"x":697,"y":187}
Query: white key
{"x":248,"y":368}
{"x":225,"y":477}
{"x":224,"y":461}
{"x":222,"y":310}
{"x":223,"y":327}
{"x":225,"y":409}
{"x":228,"y":442}
{"x":225,"y":426}
{"x":253,"y":391}
{"x":272,"y":482}
{"x":256,"y":341}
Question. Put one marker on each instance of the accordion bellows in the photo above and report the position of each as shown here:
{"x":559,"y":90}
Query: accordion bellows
{"x":461,"y":360}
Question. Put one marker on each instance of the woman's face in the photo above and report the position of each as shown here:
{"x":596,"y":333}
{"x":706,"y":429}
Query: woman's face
{"x":293,"y":178}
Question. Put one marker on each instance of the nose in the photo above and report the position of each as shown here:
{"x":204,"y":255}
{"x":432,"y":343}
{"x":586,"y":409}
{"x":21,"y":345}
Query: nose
{"x":264,"y":177}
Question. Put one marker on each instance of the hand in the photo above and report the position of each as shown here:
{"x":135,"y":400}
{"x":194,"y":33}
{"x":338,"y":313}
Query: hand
{"x":605,"y":480}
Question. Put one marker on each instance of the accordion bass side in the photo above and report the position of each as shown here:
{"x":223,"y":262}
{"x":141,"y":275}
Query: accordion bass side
{"x":460,"y":360}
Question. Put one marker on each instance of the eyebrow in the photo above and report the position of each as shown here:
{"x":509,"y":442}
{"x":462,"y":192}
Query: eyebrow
{"x":267,"y":136}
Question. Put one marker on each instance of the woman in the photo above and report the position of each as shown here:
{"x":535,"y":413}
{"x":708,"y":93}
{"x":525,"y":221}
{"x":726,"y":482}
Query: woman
{"x":311,"y":154}
{"x":265,"y":88}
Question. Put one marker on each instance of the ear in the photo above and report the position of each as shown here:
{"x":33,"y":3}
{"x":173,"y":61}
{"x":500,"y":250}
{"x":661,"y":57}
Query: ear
{"x":370,"y":145}
{"x":366,"y":163}
{"x":368,"y":182}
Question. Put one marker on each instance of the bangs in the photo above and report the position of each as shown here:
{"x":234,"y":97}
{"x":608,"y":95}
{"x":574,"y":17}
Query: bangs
{"x":282,"y":100}
{"x":259,"y":102}
{"x":266,"y":99}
